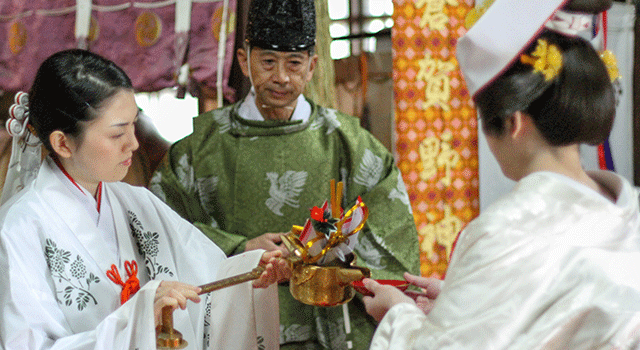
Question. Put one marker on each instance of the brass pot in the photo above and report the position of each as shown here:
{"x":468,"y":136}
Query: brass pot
{"x":325,"y":286}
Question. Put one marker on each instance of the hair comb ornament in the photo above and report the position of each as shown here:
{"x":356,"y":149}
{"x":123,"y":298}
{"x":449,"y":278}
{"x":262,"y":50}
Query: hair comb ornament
{"x":25,"y":148}
{"x":18,"y":123}
{"x":475,"y":13}
{"x":611,"y":63}
{"x":499,"y":36}
{"x":18,"y":115}
{"x":546,"y":59}
{"x":571,"y":23}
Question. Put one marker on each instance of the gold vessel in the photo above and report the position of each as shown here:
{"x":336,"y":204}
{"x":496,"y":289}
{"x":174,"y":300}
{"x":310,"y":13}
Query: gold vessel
{"x":325,"y":286}
{"x":320,"y":285}
{"x":311,"y":284}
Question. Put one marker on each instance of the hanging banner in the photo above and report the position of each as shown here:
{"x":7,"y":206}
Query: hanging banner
{"x":160,"y":44}
{"x":30,"y":31}
{"x":436,"y":125}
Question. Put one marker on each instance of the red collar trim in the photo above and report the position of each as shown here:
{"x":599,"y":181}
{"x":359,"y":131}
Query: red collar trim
{"x":67,"y":174}
{"x":99,"y":195}
{"x":99,"y":192}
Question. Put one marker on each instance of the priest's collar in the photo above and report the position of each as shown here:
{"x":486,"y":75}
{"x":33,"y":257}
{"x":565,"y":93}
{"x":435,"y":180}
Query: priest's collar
{"x":249,"y":110}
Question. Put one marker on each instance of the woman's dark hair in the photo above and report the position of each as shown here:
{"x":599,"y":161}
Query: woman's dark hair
{"x":577,"y":106}
{"x":588,"y":6}
{"x":70,"y":86}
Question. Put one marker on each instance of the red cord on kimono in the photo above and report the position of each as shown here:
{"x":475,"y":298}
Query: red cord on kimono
{"x":132,"y":285}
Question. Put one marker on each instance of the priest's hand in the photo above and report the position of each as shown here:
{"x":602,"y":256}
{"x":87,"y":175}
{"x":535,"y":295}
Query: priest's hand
{"x":384,"y":298}
{"x":277,"y":269}
{"x":269,"y":242}
{"x":430,"y":289}
{"x":174,"y":294}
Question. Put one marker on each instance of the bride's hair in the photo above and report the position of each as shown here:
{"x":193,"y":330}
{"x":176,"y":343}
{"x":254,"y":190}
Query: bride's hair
{"x":576,"y":106}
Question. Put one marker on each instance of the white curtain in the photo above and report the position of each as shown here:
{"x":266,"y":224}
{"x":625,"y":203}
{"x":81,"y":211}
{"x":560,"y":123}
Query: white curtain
{"x":621,"y":18}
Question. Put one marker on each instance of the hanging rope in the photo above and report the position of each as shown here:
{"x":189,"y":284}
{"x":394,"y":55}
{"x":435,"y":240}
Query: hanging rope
{"x":605,"y":158}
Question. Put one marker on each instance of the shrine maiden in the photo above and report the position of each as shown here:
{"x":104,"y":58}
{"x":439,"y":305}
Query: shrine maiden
{"x":76,"y":243}
{"x":552,"y":264}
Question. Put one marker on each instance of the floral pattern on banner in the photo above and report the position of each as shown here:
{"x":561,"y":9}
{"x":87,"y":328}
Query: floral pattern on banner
{"x":436,"y":125}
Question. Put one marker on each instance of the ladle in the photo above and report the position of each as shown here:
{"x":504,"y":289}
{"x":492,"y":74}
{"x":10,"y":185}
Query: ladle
{"x":169,"y":338}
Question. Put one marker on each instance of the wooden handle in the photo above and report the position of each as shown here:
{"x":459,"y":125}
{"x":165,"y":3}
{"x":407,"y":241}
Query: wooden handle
{"x":169,"y":338}
{"x":232,"y":281}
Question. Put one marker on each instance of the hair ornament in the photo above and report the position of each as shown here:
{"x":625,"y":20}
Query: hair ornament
{"x":546,"y":59}
{"x":18,"y":115}
{"x":475,"y":13}
{"x":611,"y":63}
{"x":25,"y":148}
{"x":570,"y":23}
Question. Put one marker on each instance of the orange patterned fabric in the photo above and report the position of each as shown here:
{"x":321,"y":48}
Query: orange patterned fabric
{"x":436,"y":125}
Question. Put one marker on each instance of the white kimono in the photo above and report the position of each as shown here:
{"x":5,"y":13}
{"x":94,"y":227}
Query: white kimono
{"x":56,"y":248}
{"x":552,"y":265}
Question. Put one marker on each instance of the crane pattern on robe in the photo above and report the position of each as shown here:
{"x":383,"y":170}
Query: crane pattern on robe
{"x":400,"y":193}
{"x":221,"y":116}
{"x":156,"y":188}
{"x":369,"y":171}
{"x":206,"y":188}
{"x":285,"y":190}
{"x":185,"y":172}
{"x":330,"y":120}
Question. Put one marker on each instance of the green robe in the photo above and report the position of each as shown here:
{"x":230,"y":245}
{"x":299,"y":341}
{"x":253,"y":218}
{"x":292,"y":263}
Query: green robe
{"x":236,"y":179}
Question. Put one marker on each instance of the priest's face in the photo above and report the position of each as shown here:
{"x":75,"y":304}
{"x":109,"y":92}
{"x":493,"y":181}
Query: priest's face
{"x":103,"y":151}
{"x":277,"y":77}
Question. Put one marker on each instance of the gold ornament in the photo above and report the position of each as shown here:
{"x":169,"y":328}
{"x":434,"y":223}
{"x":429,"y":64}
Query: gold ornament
{"x":216,"y":23}
{"x":475,"y":13}
{"x":94,"y":30}
{"x":611,"y":63}
{"x":546,"y":59}
{"x":148,"y":29}
{"x":17,"y":37}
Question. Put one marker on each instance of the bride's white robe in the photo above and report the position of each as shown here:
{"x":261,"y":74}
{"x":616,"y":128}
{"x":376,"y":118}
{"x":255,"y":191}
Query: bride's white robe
{"x":552,"y":265}
{"x":56,"y":248}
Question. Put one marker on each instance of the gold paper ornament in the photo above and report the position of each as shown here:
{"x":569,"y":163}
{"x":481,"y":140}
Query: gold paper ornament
{"x":216,"y":23}
{"x":148,"y":28}
{"x":546,"y":59}
{"x":17,"y":37}
{"x":475,"y":13}
{"x":94,"y":30}
{"x":611,"y":63}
